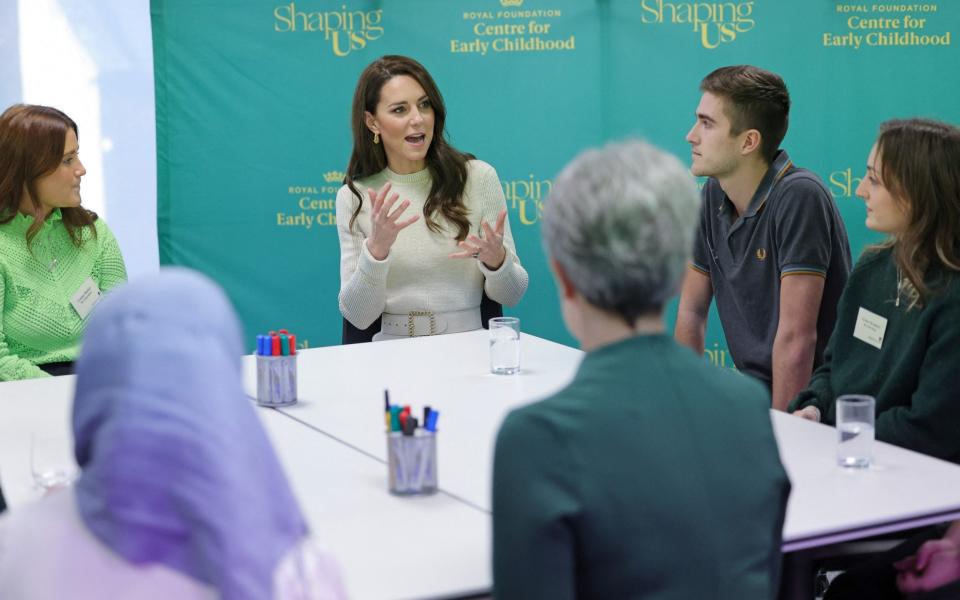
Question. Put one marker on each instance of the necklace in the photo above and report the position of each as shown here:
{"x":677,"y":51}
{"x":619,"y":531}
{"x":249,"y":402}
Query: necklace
{"x":899,"y":286}
{"x":53,"y":262}
{"x":907,"y":290}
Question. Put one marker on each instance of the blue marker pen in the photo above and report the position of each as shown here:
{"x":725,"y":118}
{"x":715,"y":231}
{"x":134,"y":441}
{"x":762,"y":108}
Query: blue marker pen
{"x":432,"y":421}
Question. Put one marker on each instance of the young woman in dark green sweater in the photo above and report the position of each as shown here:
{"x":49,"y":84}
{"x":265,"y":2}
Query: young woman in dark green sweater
{"x":897,"y":336}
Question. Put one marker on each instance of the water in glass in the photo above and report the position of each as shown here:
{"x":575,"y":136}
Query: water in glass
{"x":504,"y":351}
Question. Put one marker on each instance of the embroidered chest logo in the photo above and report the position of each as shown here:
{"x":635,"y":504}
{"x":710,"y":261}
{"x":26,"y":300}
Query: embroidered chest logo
{"x":761,"y":254}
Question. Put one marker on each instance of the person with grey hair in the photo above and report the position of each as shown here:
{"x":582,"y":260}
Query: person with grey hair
{"x":652,"y":474}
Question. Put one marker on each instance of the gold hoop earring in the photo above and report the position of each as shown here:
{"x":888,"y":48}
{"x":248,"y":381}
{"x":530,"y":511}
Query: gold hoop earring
{"x":376,"y":138}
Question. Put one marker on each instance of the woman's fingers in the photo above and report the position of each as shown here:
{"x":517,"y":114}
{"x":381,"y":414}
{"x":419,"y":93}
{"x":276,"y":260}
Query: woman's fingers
{"x":393,"y":216}
{"x":377,"y":198}
{"x":488,"y":232}
{"x":406,"y":223}
{"x":467,"y":250}
{"x":374,"y":205}
{"x":501,"y":222}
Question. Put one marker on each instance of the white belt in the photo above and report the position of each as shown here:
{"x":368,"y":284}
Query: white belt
{"x":424,"y":322}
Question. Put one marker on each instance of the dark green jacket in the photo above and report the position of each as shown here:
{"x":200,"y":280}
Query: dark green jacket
{"x":652,"y":475}
{"x":914,"y":375}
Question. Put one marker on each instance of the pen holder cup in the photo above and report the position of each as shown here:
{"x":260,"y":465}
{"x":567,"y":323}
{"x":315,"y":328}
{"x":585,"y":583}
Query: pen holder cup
{"x":412,"y":463}
{"x":276,"y":380}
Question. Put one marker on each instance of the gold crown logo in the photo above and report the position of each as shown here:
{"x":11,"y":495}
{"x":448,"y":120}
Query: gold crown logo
{"x":511,"y":2}
{"x":334,"y":176}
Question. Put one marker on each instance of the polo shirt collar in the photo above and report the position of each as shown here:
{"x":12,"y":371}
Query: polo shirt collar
{"x":778,"y":168}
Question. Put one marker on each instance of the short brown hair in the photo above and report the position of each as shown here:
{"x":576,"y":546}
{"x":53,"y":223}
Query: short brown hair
{"x":755,"y":99}
{"x":32,"y":141}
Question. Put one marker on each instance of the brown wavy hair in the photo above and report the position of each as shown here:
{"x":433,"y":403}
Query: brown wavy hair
{"x":32,"y":140}
{"x":447,"y":165}
{"x":919,"y":162}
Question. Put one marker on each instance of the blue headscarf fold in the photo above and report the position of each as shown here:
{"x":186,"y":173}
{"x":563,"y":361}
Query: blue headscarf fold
{"x":176,"y":468}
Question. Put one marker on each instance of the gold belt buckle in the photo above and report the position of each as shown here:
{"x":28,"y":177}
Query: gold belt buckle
{"x":413,"y":314}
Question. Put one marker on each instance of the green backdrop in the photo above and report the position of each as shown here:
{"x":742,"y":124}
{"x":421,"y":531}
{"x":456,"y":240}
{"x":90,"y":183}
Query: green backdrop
{"x":253,"y":106}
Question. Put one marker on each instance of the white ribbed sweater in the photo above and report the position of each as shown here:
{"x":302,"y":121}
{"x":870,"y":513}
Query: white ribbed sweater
{"x":417,"y":274}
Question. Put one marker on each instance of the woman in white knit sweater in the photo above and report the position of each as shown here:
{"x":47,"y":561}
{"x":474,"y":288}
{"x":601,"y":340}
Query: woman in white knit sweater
{"x":423,"y":227}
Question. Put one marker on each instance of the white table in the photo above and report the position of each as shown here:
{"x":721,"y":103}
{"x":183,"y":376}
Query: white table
{"x":341,"y":393}
{"x":829,"y":504}
{"x":35,"y":407}
{"x":341,"y":389}
{"x":387,"y":547}
{"x":332,"y":446}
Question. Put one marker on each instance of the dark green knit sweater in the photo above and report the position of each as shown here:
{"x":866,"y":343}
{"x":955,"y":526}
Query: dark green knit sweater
{"x":914,"y":375}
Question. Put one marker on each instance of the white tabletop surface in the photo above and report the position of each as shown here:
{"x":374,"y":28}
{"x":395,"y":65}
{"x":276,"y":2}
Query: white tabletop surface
{"x":332,"y":446}
{"x":386,"y":546}
{"x":828,"y":504}
{"x":34,"y":407}
{"x":341,"y":393}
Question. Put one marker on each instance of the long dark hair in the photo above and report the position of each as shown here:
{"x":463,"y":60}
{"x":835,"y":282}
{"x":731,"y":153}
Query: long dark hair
{"x":447,"y":165}
{"x":919,"y":162}
{"x":32,"y":141}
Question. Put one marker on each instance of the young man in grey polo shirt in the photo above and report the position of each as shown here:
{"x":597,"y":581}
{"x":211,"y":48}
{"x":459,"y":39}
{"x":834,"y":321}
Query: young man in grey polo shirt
{"x":771,"y":246}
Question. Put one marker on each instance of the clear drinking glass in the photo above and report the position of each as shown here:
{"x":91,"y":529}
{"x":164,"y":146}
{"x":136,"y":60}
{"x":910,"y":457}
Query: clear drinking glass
{"x":855,"y":420}
{"x":504,"y":345}
{"x":51,"y":462}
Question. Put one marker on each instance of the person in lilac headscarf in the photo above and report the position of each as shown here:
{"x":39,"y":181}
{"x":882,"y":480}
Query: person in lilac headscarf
{"x":181,"y":494}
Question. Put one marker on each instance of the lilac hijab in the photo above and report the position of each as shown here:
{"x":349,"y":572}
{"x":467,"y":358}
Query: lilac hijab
{"x":176,"y":468}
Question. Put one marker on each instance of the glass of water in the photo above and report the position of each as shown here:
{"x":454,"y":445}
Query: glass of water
{"x":51,"y":462}
{"x":855,"y":418}
{"x":504,"y":345}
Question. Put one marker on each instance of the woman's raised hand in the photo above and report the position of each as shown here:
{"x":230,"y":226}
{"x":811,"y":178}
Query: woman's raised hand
{"x":489,"y":249}
{"x":384,"y":222}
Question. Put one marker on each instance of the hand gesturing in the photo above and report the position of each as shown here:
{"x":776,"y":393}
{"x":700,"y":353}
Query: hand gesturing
{"x":489,"y":249}
{"x":384,"y":225}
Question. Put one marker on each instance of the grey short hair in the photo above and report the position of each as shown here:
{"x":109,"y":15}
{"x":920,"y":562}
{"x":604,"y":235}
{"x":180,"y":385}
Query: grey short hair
{"x":620,"y":221}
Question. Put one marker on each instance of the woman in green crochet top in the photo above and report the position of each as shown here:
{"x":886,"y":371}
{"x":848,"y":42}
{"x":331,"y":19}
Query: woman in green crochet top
{"x":56,"y":257}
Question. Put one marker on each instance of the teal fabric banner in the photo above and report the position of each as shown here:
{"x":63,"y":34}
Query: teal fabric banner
{"x":253,"y":108}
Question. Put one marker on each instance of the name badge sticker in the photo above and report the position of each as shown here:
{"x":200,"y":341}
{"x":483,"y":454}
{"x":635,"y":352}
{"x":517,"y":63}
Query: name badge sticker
{"x":85,"y":298}
{"x":870,"y":328}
